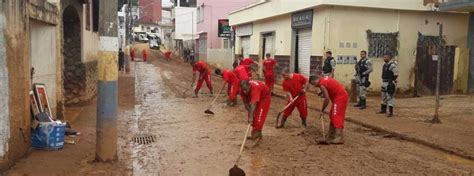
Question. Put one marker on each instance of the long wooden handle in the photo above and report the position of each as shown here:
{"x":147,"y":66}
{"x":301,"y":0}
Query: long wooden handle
{"x":243,"y":144}
{"x":217,"y":96}
{"x":289,"y":104}
{"x":322,"y":125}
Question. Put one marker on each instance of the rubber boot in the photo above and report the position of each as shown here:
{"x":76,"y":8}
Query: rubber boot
{"x":303,"y":122}
{"x":331,"y":132}
{"x":383,"y":109}
{"x":362,"y":104}
{"x":282,"y":124}
{"x":390,"y":110}
{"x":338,"y":137}
{"x":255,"y":135}
{"x":358,"y":103}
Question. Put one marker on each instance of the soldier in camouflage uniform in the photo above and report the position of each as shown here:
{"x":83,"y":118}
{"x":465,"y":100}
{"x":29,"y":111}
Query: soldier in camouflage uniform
{"x":389,"y":80}
{"x":363,"y":69}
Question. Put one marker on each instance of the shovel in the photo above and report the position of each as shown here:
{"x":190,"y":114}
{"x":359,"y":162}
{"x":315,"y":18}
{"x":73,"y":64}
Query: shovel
{"x":185,"y":91}
{"x":279,"y":113}
{"x":236,"y":171}
{"x":208,"y":110}
{"x":324,"y":141}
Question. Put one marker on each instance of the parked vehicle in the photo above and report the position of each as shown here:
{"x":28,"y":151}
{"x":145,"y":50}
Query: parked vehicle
{"x":142,"y":38}
{"x":153,"y":44}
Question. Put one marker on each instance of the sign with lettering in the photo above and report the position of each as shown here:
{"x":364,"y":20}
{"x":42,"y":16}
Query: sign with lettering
{"x":302,"y":19}
{"x":223,"y":28}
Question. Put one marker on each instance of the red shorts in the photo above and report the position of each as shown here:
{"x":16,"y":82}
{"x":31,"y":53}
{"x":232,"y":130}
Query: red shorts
{"x":302,"y":106}
{"x":338,"y":112}
{"x":270,"y":80}
{"x":204,"y":77}
{"x":233,"y":90}
{"x":260,"y":115}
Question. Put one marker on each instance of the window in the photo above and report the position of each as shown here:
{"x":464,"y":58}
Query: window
{"x":225,"y":43}
{"x":382,"y":43}
{"x":200,"y":13}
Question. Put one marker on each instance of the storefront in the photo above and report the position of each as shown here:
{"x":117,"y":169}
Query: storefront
{"x":301,"y":23}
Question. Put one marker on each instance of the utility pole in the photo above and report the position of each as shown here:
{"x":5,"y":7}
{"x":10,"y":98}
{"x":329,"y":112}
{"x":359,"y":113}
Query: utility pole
{"x":192,"y":33}
{"x":440,"y":54}
{"x":106,"y":129}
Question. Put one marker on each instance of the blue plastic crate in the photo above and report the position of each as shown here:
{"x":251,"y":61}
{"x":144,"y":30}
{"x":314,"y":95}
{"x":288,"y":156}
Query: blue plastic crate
{"x":48,"y":136}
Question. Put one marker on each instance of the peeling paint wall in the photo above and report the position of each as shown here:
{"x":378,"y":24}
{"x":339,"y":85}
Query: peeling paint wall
{"x":16,"y":47}
{"x":16,"y":16}
{"x":4,"y":120}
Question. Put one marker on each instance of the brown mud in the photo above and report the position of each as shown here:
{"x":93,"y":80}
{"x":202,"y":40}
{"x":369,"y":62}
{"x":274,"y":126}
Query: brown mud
{"x":189,"y":142}
{"x":193,"y":143}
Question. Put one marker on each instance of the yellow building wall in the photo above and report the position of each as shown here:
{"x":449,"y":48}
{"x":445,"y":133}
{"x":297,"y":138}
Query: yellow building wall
{"x":320,"y":31}
{"x":348,"y":24}
{"x":281,"y":26}
{"x":461,"y":70}
{"x":337,"y":24}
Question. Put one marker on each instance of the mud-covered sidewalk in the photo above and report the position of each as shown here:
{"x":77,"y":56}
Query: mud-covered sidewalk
{"x":454,"y":135}
{"x":78,"y":158}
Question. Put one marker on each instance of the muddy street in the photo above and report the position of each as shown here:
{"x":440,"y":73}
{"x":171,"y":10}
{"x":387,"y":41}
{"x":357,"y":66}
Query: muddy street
{"x":190,"y":142}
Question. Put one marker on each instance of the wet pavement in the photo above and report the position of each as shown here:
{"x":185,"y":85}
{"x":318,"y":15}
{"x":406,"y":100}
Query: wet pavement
{"x":190,"y":142}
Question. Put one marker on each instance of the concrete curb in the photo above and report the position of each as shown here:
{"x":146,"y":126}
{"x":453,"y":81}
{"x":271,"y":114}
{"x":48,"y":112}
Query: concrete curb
{"x":413,"y":139}
{"x":405,"y":137}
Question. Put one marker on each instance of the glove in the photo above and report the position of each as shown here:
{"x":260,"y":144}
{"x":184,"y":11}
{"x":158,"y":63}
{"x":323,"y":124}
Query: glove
{"x":302,"y":92}
{"x":250,"y":120}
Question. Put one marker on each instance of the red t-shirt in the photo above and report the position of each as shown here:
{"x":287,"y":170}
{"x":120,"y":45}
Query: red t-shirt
{"x":246,"y":61}
{"x":229,"y":77}
{"x":258,"y":92}
{"x":168,"y":54}
{"x":268,"y":66}
{"x":201,"y":67}
{"x":335,"y":89}
{"x":295,"y":84}
{"x":241,"y":72}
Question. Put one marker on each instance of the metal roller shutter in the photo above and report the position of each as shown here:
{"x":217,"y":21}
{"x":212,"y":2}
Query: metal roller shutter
{"x":304,"y":51}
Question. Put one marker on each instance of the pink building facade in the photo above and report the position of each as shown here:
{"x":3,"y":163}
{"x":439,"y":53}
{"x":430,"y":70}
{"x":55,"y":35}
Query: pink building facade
{"x":210,"y":47}
{"x":150,"y":11}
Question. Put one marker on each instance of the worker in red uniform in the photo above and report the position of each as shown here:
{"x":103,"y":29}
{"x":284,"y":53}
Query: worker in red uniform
{"x":242,"y":72}
{"x":204,"y":75}
{"x":233,"y":85}
{"x":247,"y":61}
{"x":257,"y":102}
{"x":335,"y":92}
{"x":269,"y":65}
{"x":168,"y":55}
{"x":145,"y":55}
{"x":295,"y":85}
{"x":132,"y":53}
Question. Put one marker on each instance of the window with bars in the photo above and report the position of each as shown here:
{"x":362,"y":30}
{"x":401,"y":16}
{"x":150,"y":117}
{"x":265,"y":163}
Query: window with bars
{"x":382,"y":43}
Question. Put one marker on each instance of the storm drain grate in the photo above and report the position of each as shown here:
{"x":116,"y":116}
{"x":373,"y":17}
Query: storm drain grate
{"x":144,"y":139}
